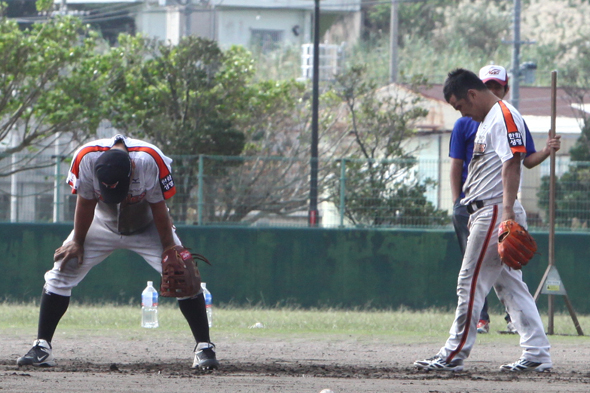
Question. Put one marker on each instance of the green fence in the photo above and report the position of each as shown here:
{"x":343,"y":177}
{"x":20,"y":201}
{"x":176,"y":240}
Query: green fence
{"x":274,"y":191}
{"x":301,"y":266}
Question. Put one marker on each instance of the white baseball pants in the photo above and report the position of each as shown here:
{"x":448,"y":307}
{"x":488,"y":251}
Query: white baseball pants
{"x":99,"y":244}
{"x":480,"y":271}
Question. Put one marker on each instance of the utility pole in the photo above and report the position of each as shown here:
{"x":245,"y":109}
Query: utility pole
{"x":393,"y":33}
{"x":187,"y":19}
{"x":63,"y":10}
{"x":313,"y":186}
{"x":515,"y":88}
{"x":186,"y":12}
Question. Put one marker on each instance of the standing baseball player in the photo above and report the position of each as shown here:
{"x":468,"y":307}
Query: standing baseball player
{"x":461,"y":149}
{"x":490,"y":196}
{"x":121,"y":186}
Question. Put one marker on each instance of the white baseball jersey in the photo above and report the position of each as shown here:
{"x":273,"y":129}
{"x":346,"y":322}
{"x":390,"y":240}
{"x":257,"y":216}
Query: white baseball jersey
{"x":151,"y":182}
{"x":127,"y":225}
{"x":498,"y":138}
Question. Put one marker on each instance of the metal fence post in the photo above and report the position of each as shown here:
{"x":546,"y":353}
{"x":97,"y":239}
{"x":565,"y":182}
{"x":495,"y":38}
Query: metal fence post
{"x":56,"y":190}
{"x":200,"y":192}
{"x":342,"y":190}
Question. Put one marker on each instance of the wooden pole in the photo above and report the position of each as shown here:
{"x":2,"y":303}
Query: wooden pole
{"x":551,"y":299}
{"x":551,"y":269}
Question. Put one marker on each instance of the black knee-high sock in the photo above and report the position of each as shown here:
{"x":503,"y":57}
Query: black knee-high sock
{"x":53,"y":307}
{"x":196,"y":315}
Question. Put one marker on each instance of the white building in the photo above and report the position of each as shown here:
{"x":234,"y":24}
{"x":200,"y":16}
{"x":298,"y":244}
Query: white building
{"x":230,"y":22}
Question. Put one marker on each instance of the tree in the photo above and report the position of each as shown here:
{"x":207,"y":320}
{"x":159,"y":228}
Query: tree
{"x":561,"y":30}
{"x":381,"y":186}
{"x":175,"y":96}
{"x":194,"y":99}
{"x":414,"y":18}
{"x":572,"y":207}
{"x":46,"y":91}
{"x":572,"y":54}
{"x":475,"y":25}
{"x":171,"y":95}
{"x":272,"y":176}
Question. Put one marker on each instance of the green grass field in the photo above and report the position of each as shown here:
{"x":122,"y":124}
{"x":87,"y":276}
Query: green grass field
{"x":411,"y":326}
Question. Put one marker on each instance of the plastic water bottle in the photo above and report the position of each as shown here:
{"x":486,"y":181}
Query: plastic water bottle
{"x":149,"y":306}
{"x":208,"y":303}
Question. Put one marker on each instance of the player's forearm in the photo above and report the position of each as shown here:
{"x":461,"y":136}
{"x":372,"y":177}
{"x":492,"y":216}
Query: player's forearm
{"x":163,"y":223}
{"x":536,"y":158}
{"x":510,"y":183}
{"x":83,"y":218}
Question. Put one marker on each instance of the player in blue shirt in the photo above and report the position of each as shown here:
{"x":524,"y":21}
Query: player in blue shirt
{"x":461,"y":150}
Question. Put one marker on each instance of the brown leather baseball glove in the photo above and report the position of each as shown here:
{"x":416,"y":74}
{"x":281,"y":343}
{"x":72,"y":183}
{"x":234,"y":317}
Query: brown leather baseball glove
{"x":515,"y":245}
{"x":180,"y":274}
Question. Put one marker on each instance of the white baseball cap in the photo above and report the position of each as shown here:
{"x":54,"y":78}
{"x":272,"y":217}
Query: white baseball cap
{"x":495,"y":73}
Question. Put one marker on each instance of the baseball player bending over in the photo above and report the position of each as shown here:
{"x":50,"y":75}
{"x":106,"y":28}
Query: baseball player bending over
{"x":490,"y":196}
{"x":121,"y":186}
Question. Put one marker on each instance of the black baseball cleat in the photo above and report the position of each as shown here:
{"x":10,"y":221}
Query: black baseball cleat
{"x":39,"y":356}
{"x":205,"y":358}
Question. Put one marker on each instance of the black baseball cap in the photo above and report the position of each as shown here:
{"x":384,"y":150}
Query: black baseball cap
{"x":113,"y":171}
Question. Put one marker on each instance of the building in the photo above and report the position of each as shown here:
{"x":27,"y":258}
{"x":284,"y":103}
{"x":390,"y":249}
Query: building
{"x":263,"y":23}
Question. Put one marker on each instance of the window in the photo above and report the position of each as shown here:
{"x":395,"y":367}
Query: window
{"x":266,"y":40}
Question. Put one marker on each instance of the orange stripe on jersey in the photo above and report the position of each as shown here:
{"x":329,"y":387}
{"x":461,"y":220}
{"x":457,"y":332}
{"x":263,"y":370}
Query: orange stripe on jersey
{"x":75,"y":168}
{"x":165,"y":177}
{"x":515,"y":137}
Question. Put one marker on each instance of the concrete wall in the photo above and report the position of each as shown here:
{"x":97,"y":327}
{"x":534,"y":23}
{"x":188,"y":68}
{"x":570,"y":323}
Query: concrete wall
{"x":235,"y":26}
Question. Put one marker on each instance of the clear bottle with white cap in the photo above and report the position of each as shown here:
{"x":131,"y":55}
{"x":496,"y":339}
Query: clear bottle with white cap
{"x":149,"y":306}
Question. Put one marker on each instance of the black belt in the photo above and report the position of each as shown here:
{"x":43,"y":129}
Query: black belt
{"x":476,"y":205}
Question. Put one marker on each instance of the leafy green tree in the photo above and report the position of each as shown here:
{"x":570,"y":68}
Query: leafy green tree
{"x":414,"y":18}
{"x":172,"y":95}
{"x":194,"y":99}
{"x":44,"y":90}
{"x":475,"y":25}
{"x":572,"y":208}
{"x":381,"y":186}
{"x":176,"y":96}
{"x":272,"y":177}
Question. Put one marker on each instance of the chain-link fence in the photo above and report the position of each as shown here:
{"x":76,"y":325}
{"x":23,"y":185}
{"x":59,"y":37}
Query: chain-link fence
{"x":274,"y":191}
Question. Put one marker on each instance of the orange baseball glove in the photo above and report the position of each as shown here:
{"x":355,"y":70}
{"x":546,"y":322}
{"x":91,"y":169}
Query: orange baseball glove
{"x":515,"y":245}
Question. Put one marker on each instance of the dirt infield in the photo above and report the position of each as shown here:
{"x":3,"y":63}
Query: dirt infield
{"x":161,"y":363}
